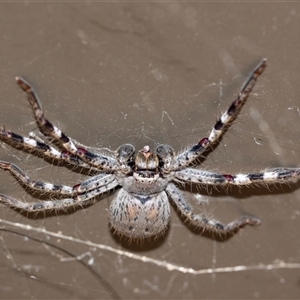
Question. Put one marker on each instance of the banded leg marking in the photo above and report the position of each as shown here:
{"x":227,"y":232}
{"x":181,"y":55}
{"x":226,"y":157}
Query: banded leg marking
{"x":48,"y":129}
{"x":37,"y":206}
{"x":58,"y":205}
{"x":275,"y":175}
{"x":41,"y":148}
{"x":221,"y":126}
{"x":98,"y":181}
{"x":203,"y":221}
{"x":35,"y":185}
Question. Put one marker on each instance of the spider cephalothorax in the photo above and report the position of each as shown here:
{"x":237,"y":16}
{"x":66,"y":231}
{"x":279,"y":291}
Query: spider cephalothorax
{"x":146,"y":180}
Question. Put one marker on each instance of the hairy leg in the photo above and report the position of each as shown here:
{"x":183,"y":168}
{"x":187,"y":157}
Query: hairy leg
{"x":186,"y":157}
{"x":203,"y":221}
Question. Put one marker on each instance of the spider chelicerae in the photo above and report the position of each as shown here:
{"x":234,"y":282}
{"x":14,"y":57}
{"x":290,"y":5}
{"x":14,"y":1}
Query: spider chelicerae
{"x":147,"y":179}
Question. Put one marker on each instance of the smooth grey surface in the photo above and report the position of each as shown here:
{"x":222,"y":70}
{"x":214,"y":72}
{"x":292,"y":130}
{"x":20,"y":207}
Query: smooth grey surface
{"x":147,"y":73}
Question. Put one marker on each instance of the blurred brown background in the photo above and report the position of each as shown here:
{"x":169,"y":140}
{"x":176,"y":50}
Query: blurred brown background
{"x":148,"y":73}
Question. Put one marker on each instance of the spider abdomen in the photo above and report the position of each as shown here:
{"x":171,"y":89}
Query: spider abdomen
{"x":140,"y":216}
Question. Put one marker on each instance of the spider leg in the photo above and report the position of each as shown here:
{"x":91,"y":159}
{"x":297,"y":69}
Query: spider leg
{"x":38,"y":206}
{"x":49,"y":130}
{"x":100,"y":189}
{"x":203,"y":221}
{"x":38,"y":146}
{"x":98,"y":181}
{"x":35,"y":185}
{"x":62,"y":204}
{"x":92,"y":183}
{"x":275,"y":175}
{"x":221,"y":126}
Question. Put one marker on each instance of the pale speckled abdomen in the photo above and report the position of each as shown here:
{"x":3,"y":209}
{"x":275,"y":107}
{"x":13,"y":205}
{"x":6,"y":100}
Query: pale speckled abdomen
{"x":140,"y":216}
